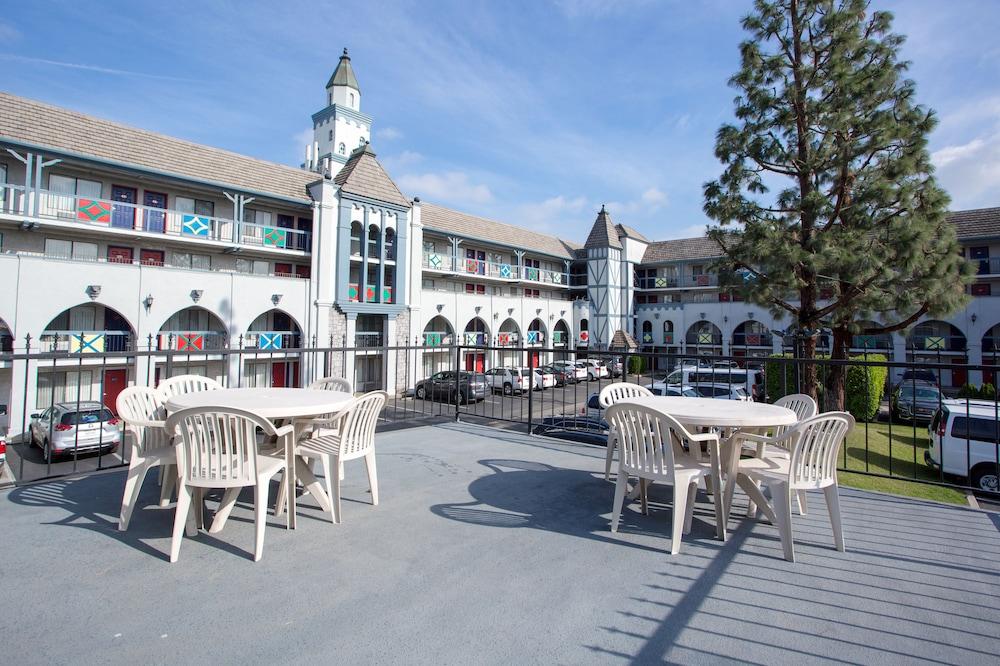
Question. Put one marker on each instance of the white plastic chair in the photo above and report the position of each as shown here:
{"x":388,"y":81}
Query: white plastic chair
{"x":812,"y":464}
{"x":805,"y":408}
{"x":609,"y":395}
{"x":141,"y":408}
{"x":182,"y":384}
{"x":352,"y":437}
{"x":332,"y":384}
{"x":217,"y":448}
{"x":646,"y":438}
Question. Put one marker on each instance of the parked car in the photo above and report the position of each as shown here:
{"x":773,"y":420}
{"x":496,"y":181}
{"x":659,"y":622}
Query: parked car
{"x":673,"y":390}
{"x":469,"y":387}
{"x":69,"y":427}
{"x":725,"y":364}
{"x":575,"y":429}
{"x":915,"y":401}
{"x":615,"y":367}
{"x":723,"y":391}
{"x":924,"y":375}
{"x":3,"y":452}
{"x":964,"y":436}
{"x":595,"y":369}
{"x":541,"y":380}
{"x":506,"y":380}
{"x":579,"y":372}
{"x":563,"y":375}
{"x":751,"y":380}
{"x":692,"y":363}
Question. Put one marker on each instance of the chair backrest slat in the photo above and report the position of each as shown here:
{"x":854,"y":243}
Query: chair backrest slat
{"x":815,"y":444}
{"x":645,"y":437}
{"x":182,"y":384}
{"x":217,"y":447}
{"x":357,"y":432}
{"x":141,"y":403}
{"x":613,"y":393}
{"x":803,"y":405}
{"x":332,"y":384}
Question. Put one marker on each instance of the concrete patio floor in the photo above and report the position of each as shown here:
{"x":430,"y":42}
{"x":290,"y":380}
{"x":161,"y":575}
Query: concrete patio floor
{"x":492,"y":547}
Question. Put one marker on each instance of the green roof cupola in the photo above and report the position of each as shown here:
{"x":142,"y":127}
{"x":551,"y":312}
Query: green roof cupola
{"x":343,"y":88}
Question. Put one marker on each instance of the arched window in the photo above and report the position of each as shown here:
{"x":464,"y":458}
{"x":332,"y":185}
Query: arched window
{"x":390,"y":244}
{"x":668,"y":332}
{"x":647,"y":332}
{"x":330,"y":136}
{"x":341,"y":148}
{"x":356,"y":238}
{"x":329,"y":99}
{"x":352,"y":99}
{"x":361,"y":141}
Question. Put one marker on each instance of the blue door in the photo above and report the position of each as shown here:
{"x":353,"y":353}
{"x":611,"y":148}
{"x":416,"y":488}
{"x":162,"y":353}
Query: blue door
{"x":154,"y":220}
{"x":123,"y":216}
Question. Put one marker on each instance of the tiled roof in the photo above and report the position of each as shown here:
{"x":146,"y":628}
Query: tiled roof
{"x":364,"y":176}
{"x":680,"y":249}
{"x":977,"y":223}
{"x":623,"y":340}
{"x":68,"y":132}
{"x":603,"y":233}
{"x":439,"y":218}
{"x":629,"y":232}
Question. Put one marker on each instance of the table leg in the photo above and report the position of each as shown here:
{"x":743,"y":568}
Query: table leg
{"x":313,"y":485}
{"x":290,"y":477}
{"x":718,"y":497}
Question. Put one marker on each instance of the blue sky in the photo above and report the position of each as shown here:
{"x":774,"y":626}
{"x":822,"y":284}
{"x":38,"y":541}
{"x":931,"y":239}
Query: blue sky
{"x":529,"y":112}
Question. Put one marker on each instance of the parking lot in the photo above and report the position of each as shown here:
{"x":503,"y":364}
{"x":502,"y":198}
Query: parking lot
{"x":27,"y":463}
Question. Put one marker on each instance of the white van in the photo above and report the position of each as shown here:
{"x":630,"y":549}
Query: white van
{"x":751,"y":380}
{"x":966,"y":433}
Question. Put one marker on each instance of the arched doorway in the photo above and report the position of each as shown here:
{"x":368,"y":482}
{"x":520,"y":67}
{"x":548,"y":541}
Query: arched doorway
{"x":991,"y":354}
{"x":476,"y":334}
{"x":508,"y":336}
{"x":751,"y":339}
{"x":560,"y":340}
{"x":192,"y":334}
{"x":85,"y":333}
{"x":273,"y":334}
{"x":704,"y":338}
{"x":936,"y":341}
{"x":437,"y":338}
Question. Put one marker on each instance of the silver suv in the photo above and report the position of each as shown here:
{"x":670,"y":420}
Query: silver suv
{"x":69,"y":427}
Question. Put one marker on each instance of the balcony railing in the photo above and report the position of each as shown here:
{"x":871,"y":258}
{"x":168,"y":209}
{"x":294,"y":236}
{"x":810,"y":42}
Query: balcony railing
{"x":752,"y":340}
{"x":505,"y":339}
{"x":192,"y":341}
{"x":935,"y":343}
{"x":438,"y":339}
{"x":363,"y":339}
{"x":988,"y":265}
{"x":707,"y":339}
{"x":883,"y":341}
{"x":85,"y":342}
{"x":497,"y":270}
{"x":107,"y":214}
{"x":272,"y":340}
{"x":678,"y":281}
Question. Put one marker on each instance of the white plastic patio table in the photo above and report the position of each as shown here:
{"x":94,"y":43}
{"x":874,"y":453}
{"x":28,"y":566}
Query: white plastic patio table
{"x":726,"y":414}
{"x":274,"y":403}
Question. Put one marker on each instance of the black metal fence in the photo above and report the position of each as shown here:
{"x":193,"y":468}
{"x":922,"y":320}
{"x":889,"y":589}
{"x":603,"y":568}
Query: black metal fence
{"x":907,"y":428}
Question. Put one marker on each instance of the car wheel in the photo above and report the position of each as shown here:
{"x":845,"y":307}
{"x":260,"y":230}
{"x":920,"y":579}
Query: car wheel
{"x":421,"y":393}
{"x":508,"y":389}
{"x":590,"y":377}
{"x":984,"y":477}
{"x":46,"y":452}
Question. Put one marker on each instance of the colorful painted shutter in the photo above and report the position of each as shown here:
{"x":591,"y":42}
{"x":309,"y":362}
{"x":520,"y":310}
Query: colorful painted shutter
{"x":432,"y":339}
{"x":190,"y":342}
{"x":533,"y":337}
{"x":934,"y":342}
{"x":668,"y":338}
{"x":86,"y":343}
{"x":194,"y":225}
{"x":369,"y":294}
{"x":701,"y":280}
{"x":505,"y":271}
{"x":435,"y":261}
{"x":753,"y":338}
{"x":275,"y":237}
{"x":531,"y":274}
{"x":503,"y":338}
{"x":584,"y":336}
{"x":704,"y":338}
{"x":94,"y":212}
{"x":387,"y":294}
{"x":647,"y":337}
{"x":352,"y":292}
{"x":269,"y":340}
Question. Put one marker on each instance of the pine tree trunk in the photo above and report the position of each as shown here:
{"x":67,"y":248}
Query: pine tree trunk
{"x":836,"y":378}
{"x":808,"y":369}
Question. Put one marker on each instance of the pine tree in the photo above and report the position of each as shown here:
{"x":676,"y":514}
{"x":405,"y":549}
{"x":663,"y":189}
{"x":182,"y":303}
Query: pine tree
{"x":827,"y":207}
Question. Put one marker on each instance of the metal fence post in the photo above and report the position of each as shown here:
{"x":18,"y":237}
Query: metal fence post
{"x":531,"y":390}
{"x":458,"y":369}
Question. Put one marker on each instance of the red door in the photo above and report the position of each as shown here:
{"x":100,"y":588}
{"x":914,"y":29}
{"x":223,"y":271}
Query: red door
{"x":959,"y":376}
{"x":284,"y":270}
{"x":119,"y":255}
{"x":151,"y":257}
{"x":475,"y":362}
{"x":534,"y":359}
{"x":278,"y":374}
{"x":114,"y":383}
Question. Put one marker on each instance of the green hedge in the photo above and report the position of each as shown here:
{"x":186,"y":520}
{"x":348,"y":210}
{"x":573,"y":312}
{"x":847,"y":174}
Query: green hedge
{"x":863,"y":387}
{"x":636,"y":365}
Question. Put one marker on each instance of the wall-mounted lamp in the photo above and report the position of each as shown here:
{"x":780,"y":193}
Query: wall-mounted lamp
{"x":275,"y":298}
{"x":973,"y":317}
{"x":750,"y":315}
{"x":93,"y":290}
{"x":196,"y":294}
{"x":440,"y":307}
{"x":538,"y":311}
{"x":148,"y":302}
{"x":562,"y":313}
{"x":510,"y":311}
{"x":701,"y":315}
{"x":656,"y":315}
{"x":552,"y":315}
{"x":725,"y":320}
{"x":496,"y":315}
{"x":478,"y":308}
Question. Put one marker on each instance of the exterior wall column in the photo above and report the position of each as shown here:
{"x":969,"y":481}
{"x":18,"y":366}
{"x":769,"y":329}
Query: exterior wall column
{"x":351,"y":341}
{"x":390,"y":359}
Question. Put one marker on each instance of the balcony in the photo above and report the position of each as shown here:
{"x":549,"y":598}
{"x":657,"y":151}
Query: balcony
{"x":368,"y":339}
{"x":446,"y":263}
{"x":107,"y":214}
{"x":438,"y":339}
{"x":678,"y":281}
{"x":272,"y":340}
{"x":85,"y":342}
{"x":511,"y":537}
{"x":192,"y":341}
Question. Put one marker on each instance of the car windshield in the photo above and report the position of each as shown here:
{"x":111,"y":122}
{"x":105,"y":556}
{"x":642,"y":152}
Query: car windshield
{"x":922,"y":393}
{"x":86,"y":416}
{"x":525,"y":372}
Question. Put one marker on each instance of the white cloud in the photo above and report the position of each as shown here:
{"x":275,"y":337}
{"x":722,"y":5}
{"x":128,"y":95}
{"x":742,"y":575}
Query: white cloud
{"x":554,"y":215}
{"x":970,"y":171}
{"x":654,"y":198}
{"x":404,"y":159}
{"x":693,"y":231}
{"x":452,"y":186}
{"x":388,"y":134}
{"x":8,"y":33}
{"x":90,"y":68}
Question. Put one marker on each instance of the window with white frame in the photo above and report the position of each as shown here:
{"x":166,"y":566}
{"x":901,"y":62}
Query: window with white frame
{"x":253,"y":266}
{"x":63,"y":190}
{"x":260,"y":217}
{"x":64,"y":249}
{"x":194,"y":206}
{"x":201,"y":262}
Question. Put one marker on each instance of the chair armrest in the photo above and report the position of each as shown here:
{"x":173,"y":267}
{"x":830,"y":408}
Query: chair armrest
{"x":704,"y":437}
{"x":284,"y":431}
{"x":327,"y":420}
